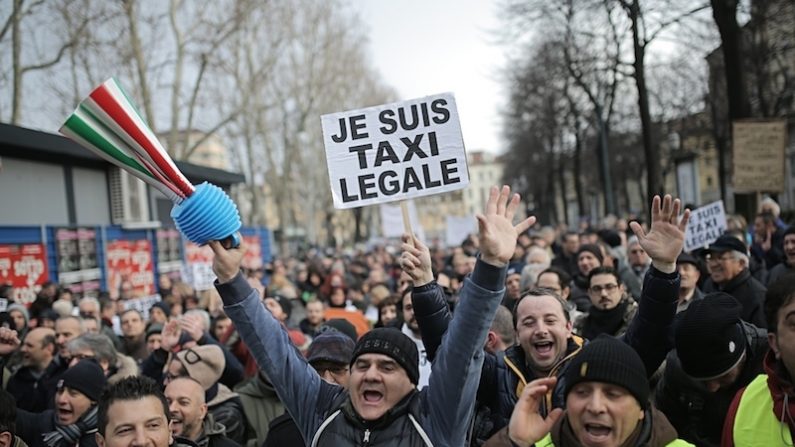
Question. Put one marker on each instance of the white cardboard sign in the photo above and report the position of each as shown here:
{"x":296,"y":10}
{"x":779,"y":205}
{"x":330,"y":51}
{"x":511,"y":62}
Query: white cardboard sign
{"x":395,"y":151}
{"x":706,"y":224}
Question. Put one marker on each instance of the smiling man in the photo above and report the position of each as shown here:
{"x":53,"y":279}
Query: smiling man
{"x":607,"y":405}
{"x":189,"y":416}
{"x":547,"y":345}
{"x":382,"y":405}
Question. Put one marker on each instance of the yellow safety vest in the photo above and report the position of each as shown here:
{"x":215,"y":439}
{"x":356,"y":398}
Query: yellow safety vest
{"x":755,"y":423}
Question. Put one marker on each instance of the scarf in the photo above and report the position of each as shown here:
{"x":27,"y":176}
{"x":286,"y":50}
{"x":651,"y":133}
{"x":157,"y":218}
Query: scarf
{"x":781,"y":389}
{"x":653,"y":431}
{"x":70,"y":434}
{"x":601,"y":321}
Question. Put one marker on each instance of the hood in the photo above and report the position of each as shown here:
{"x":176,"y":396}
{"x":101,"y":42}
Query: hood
{"x":256,"y":387}
{"x":224,"y":394}
{"x":125,"y":367}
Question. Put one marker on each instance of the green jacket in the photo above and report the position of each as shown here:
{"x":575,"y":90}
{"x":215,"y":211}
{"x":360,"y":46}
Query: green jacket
{"x":260,"y":404}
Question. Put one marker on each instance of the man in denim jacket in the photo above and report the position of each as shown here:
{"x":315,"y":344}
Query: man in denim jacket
{"x":382,"y":406}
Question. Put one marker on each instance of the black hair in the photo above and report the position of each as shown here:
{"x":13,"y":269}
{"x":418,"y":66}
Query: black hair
{"x":8,"y":413}
{"x":539,"y":291}
{"x":779,"y":294}
{"x":129,"y":388}
{"x":603,"y":271}
{"x":564,"y":279}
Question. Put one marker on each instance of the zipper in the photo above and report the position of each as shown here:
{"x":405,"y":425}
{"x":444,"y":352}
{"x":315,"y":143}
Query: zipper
{"x":366,"y":439}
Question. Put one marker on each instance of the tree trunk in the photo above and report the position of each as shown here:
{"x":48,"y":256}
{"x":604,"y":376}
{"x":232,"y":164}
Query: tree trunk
{"x":562,"y":187}
{"x":16,"y":49}
{"x":724,"y":12}
{"x":581,"y":207}
{"x":650,"y":149}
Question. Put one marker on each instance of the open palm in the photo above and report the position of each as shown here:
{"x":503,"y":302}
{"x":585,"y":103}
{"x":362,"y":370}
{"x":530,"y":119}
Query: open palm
{"x":666,"y":237}
{"x":497,"y":232}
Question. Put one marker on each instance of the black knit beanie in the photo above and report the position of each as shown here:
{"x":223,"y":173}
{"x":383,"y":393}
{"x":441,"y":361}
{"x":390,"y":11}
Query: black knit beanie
{"x":592,"y":249}
{"x":391,"y":343}
{"x":609,"y":360}
{"x":709,"y":338}
{"x":87,"y":377}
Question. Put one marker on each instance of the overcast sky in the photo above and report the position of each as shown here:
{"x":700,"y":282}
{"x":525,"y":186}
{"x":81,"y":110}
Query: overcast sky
{"x":424,"y":47}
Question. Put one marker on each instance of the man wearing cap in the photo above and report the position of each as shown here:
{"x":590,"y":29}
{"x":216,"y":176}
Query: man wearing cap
{"x":329,"y":354}
{"x":716,"y":355}
{"x":761,"y":413}
{"x":589,"y":257}
{"x":382,"y":405}
{"x":690,"y":273}
{"x":513,"y":289}
{"x":727,"y":261}
{"x":546,"y":344}
{"x":607,"y":404}
{"x":74,"y":419}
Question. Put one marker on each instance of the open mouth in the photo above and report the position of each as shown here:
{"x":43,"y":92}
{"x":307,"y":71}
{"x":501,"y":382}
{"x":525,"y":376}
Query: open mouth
{"x":598,"y":430}
{"x":372,"y":397}
{"x":64,"y":414}
{"x":543,"y":347}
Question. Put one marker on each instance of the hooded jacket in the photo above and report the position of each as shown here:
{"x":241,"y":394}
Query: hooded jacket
{"x":125,"y":367}
{"x":261,"y":405}
{"x":214,"y":434}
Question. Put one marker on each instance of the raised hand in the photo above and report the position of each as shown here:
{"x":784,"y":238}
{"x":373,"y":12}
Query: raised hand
{"x":416,"y":260}
{"x":227,"y":261}
{"x":9,"y":341}
{"x":170,"y":335}
{"x":527,"y":426}
{"x":666,"y":236}
{"x":192,"y":324}
{"x":497,"y":234}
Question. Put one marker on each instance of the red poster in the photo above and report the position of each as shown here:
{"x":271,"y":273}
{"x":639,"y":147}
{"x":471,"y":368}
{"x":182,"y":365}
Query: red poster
{"x":195,"y":254}
{"x":25,"y":268}
{"x":130,"y":270}
{"x":253,"y":258}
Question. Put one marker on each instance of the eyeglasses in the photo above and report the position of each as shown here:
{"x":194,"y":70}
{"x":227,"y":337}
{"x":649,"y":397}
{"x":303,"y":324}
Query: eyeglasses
{"x":79,"y":357}
{"x":720,"y":258}
{"x":608,"y":287}
{"x":334,"y":369}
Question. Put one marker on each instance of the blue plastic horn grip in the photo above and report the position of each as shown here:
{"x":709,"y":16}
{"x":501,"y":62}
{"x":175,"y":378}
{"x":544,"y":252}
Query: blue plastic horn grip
{"x":207,"y":215}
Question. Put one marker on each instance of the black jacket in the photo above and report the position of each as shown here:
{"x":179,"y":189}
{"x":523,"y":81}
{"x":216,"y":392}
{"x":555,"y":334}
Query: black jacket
{"x":282,"y":431}
{"x":697,"y":414}
{"x":31,"y":393}
{"x":749,"y":292}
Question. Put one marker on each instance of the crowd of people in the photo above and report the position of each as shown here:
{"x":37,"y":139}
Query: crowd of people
{"x":522,"y":335}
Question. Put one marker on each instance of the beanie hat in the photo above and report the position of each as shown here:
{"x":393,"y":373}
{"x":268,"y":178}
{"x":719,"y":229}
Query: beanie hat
{"x":609,"y":360}
{"x":331,"y":346}
{"x":21,"y":309}
{"x":287,"y":306}
{"x":204,"y":364}
{"x":611,"y":237}
{"x":164,"y":306}
{"x":709,"y":337}
{"x":338,"y":325}
{"x":152,"y":329}
{"x":391,"y":343}
{"x":593,"y":249}
{"x":87,"y":377}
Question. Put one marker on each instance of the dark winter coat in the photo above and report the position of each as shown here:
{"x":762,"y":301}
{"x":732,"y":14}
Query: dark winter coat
{"x":749,"y":292}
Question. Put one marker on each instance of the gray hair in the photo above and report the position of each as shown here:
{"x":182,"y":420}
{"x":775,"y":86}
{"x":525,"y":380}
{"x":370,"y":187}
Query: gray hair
{"x":98,"y":343}
{"x":742,"y":257}
{"x":202,"y":313}
{"x":93,"y":301}
{"x":503,"y":325}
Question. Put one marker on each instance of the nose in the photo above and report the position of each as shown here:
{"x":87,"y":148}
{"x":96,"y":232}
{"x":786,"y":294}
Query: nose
{"x":139,"y":438}
{"x":172,"y":407}
{"x":596,"y":403}
{"x":60,"y":398}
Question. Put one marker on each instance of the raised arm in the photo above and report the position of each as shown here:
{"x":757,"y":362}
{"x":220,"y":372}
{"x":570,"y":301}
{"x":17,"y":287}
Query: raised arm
{"x":430,"y":306}
{"x":648,"y":331}
{"x":298,"y":385}
{"x":456,"y":369}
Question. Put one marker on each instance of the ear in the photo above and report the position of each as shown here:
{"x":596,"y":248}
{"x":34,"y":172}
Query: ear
{"x":6,"y":440}
{"x":772,"y":340}
{"x":100,"y":440}
{"x":564,"y":294}
{"x":491,"y":340}
{"x":203,"y":410}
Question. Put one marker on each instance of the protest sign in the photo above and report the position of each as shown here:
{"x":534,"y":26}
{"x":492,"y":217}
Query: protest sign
{"x":395,"y":151}
{"x":458,"y":228}
{"x":130,"y":268}
{"x":758,"y":155}
{"x":142,"y":304}
{"x":705,"y":226}
{"x":25,"y":268}
{"x":392,"y":221}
